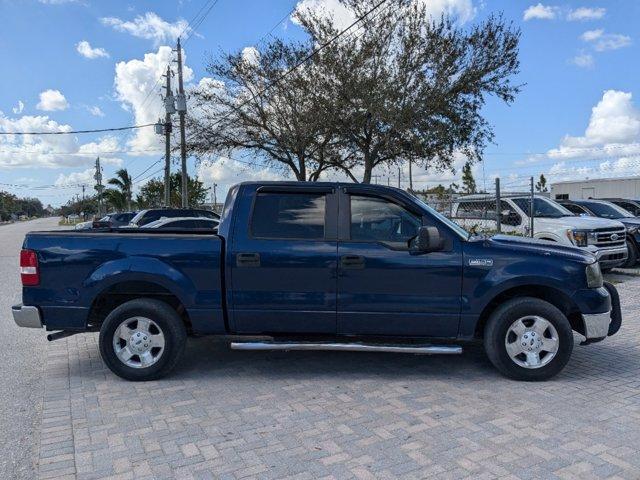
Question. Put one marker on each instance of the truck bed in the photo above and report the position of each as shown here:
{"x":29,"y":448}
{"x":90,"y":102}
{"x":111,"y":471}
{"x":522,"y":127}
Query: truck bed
{"x":181,"y":264}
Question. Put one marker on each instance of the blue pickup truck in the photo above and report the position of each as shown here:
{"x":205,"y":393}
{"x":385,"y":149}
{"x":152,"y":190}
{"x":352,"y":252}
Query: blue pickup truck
{"x":324,"y":266}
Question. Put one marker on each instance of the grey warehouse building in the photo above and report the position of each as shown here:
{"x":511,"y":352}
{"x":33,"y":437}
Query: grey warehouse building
{"x":620,"y":187}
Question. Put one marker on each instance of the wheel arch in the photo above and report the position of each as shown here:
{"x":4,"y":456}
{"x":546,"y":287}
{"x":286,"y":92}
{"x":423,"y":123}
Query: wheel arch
{"x":120,"y":292}
{"x":554,"y":296}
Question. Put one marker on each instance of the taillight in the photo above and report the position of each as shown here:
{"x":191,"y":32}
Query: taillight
{"x":29,"y":268}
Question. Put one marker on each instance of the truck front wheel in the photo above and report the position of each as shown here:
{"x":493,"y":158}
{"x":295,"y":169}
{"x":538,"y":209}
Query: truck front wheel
{"x":528,"y":339}
{"x":142,"y":339}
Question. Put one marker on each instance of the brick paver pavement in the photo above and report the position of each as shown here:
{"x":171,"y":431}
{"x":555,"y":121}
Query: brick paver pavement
{"x":227,"y":414}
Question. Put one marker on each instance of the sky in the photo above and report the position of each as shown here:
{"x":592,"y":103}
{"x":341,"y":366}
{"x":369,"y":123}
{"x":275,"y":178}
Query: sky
{"x":89,"y":64}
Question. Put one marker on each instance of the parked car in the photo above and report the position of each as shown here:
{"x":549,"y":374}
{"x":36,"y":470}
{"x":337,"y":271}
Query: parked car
{"x":603,"y":237}
{"x":604,"y":209}
{"x":183,"y":222}
{"x":83,"y":225}
{"x":630,"y":205}
{"x":288,"y":269}
{"x":114,"y":220}
{"x":147,"y":216}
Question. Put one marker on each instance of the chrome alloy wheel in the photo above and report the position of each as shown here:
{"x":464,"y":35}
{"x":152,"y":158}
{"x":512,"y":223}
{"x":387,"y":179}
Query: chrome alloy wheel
{"x":138,"y":342}
{"x":532,"y":342}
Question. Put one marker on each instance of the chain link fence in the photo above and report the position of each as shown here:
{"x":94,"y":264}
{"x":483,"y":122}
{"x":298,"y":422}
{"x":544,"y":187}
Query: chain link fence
{"x":489,"y":212}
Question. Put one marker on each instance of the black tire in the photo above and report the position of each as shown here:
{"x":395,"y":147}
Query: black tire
{"x":171,"y":326}
{"x":632,"y":259}
{"x":501,"y":320}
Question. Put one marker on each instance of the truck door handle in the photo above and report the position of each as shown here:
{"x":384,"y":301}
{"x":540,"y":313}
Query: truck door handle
{"x":247,"y":259}
{"x":352,"y":261}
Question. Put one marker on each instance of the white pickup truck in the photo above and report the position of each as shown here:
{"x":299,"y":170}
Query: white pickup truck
{"x":551,"y":221}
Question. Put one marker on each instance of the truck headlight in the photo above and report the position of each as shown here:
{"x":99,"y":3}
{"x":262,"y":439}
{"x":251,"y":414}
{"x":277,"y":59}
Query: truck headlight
{"x":594,"y":275}
{"x":580,"y":238}
{"x":632,"y":230}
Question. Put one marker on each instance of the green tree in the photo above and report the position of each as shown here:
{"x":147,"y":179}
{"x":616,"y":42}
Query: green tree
{"x":468,"y":182}
{"x":541,"y":185}
{"x":152,"y":193}
{"x":120,"y":197}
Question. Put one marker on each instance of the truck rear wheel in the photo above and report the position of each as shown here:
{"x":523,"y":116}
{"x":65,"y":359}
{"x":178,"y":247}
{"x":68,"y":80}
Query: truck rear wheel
{"x":528,"y":339}
{"x":142,"y":339}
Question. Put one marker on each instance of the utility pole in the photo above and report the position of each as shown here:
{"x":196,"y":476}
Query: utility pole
{"x":84,"y":214}
{"x":99,"y":188}
{"x":215,"y":196}
{"x":181,"y":106}
{"x":498,"y":206}
{"x":410,"y":178}
{"x":169,"y":109}
{"x":398,"y":176}
{"x":531,"y":208}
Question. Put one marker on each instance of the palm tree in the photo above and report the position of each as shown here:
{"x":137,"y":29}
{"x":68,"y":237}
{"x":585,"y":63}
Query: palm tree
{"x":124,"y":184}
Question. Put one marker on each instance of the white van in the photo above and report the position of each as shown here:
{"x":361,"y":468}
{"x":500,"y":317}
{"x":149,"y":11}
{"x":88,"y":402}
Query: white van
{"x":604,"y":238}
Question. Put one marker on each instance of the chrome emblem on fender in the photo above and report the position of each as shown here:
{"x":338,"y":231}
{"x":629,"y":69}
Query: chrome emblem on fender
{"x":481,"y":262}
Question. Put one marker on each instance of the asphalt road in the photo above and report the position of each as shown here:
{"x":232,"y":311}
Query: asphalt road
{"x":21,"y":362}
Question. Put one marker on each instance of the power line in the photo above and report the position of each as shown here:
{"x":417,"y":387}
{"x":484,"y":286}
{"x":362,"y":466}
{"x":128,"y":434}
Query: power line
{"x":149,"y":176}
{"x":92,"y":154}
{"x":199,"y":22}
{"x":301,"y":62}
{"x":73,"y":132}
{"x":190,"y":28}
{"x":146,"y":170}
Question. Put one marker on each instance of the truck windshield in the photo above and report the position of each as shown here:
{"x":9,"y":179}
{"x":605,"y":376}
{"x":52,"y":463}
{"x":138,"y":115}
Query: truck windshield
{"x":451,"y":224}
{"x":542,"y":208}
{"x":608,"y":210}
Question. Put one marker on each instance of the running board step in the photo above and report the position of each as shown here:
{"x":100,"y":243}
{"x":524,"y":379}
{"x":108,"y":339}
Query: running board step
{"x":350,"y":347}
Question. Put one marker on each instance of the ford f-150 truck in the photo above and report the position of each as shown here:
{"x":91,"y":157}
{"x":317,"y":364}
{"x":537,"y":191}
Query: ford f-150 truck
{"x":323,"y":266}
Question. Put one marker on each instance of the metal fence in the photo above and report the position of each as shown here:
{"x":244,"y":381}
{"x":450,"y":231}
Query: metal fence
{"x":492,"y":211}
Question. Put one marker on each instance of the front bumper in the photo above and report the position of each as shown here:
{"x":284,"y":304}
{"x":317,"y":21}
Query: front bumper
{"x":596,"y":325}
{"x":610,"y":257}
{"x":600,"y":325}
{"x":25,"y":316}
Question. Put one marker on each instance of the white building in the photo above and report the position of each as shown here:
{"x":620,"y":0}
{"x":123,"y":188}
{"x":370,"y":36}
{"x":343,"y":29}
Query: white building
{"x":621,"y":187}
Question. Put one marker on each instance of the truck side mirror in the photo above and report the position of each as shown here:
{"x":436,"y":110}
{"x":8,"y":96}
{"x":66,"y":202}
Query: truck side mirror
{"x":427,"y":240}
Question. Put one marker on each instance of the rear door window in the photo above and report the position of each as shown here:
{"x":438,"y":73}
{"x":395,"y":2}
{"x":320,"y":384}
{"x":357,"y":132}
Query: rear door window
{"x":289,"y":216}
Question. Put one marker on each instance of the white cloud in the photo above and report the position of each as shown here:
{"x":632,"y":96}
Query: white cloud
{"x":49,"y":151}
{"x":462,"y":10}
{"x":611,"y":138}
{"x":541,"y":12}
{"x":84,"y":177}
{"x":623,"y":166}
{"x":85,"y":49}
{"x":250,"y":55}
{"x":95,"y":111}
{"x":584,"y":60}
{"x":592,"y":35}
{"x":585,"y":13}
{"x":149,"y":26}
{"x":17,"y":110}
{"x":226,"y":172}
{"x":615,"y":119}
{"x":602,"y":41}
{"x":137,"y":87}
{"x":52,"y":100}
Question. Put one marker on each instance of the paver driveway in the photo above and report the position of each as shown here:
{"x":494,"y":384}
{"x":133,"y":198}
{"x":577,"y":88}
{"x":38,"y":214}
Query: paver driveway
{"x":228,"y":414}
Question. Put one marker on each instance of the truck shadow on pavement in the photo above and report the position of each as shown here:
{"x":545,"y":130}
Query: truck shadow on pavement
{"x":208,"y":358}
